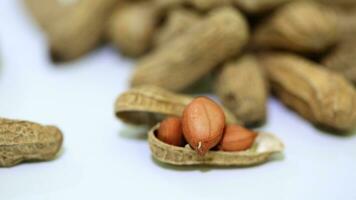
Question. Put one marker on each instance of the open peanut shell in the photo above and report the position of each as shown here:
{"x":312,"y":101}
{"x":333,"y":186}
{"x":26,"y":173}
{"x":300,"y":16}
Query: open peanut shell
{"x":264,"y":147}
{"x":148,"y":105}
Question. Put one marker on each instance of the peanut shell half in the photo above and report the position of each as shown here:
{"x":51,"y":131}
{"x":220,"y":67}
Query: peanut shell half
{"x":264,"y":147}
{"x":148,"y":105}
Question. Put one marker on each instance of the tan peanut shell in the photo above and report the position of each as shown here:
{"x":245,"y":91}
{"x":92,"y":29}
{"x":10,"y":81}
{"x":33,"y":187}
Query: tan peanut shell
{"x":343,"y":60}
{"x":178,"y":21}
{"x":27,"y":141}
{"x":319,"y":95}
{"x":264,"y":147}
{"x":249,"y":6}
{"x":345,"y":4}
{"x":242,"y":87}
{"x":258,"y":6}
{"x":346,"y":24}
{"x":302,"y":26}
{"x":73,"y":28}
{"x":132,"y":26}
{"x":189,"y":57}
{"x":148,"y":105}
{"x":198,"y":4}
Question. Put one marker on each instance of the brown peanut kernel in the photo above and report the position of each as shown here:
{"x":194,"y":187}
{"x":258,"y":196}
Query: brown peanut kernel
{"x":170,"y":131}
{"x":237,"y":138}
{"x":203,"y":124}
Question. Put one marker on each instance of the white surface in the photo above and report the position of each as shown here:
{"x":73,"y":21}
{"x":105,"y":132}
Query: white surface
{"x":102,"y":161}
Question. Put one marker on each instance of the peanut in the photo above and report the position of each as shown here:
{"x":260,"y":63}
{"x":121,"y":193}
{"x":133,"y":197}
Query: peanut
{"x":264,"y":147}
{"x":178,"y":21}
{"x":170,"y":131}
{"x":342,"y":60}
{"x":319,"y":95}
{"x":26,"y":141}
{"x":302,"y":26}
{"x":251,"y":7}
{"x":132,"y":27}
{"x":203,"y":123}
{"x":73,"y":29}
{"x":189,"y":57}
{"x":237,"y":138}
{"x":243,"y":89}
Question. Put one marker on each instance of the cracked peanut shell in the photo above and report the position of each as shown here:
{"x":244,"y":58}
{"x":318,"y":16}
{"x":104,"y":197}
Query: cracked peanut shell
{"x":148,"y":105}
{"x":189,"y":57}
{"x":27,"y":141}
{"x":319,"y":95}
{"x":264,"y":147}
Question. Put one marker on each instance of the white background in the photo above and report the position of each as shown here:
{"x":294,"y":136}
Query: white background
{"x":103,"y":159}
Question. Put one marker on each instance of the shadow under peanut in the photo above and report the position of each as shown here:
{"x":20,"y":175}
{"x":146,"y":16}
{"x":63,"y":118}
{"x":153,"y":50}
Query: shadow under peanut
{"x":334,"y":132}
{"x":134,"y":132}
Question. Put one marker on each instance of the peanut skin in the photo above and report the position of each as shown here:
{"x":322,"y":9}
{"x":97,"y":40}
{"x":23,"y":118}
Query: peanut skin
{"x":237,"y":138}
{"x":170,"y":131}
{"x":203,"y":124}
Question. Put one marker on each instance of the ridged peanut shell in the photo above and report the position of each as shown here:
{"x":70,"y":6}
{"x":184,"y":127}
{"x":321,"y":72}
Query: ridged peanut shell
{"x":346,"y":24}
{"x":148,"y":105}
{"x":178,"y":21}
{"x":258,"y":6}
{"x":132,"y":26}
{"x":73,"y":28}
{"x":319,"y":95}
{"x":302,"y":26}
{"x":264,"y":147}
{"x":345,"y":4}
{"x":343,"y":60}
{"x":198,"y":4}
{"x":189,"y":57}
{"x":243,"y":88}
{"x":27,"y":141}
{"x":249,"y":6}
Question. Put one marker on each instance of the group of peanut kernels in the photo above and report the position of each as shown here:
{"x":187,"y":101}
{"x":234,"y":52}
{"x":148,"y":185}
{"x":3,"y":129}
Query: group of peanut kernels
{"x":203,"y":126}
{"x":301,"y":50}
